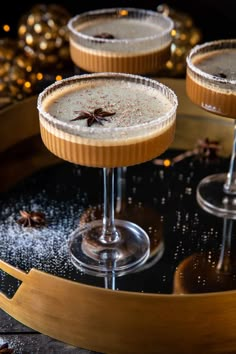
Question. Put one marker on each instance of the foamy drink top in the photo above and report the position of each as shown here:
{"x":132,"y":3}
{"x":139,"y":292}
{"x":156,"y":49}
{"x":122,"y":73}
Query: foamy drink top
{"x":120,"y":28}
{"x":135,"y":30}
{"x":131,"y":102}
{"x":219,"y":63}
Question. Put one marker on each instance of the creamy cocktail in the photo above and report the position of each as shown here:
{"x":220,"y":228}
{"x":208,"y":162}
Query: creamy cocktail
{"x":211,"y":84}
{"x":138,"y":128}
{"x":215,"y":90}
{"x":134,"y":41}
{"x":108,"y":120}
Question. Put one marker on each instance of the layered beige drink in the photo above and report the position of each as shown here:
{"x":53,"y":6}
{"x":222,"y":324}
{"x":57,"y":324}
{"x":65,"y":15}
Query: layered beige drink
{"x":126,"y":40}
{"x":211,"y":80}
{"x":107,"y":119}
{"x":211,"y":84}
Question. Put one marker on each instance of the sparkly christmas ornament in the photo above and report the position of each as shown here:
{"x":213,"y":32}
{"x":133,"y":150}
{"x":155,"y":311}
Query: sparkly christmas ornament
{"x":43,"y":35}
{"x":17,"y":76}
{"x":41,"y":51}
{"x":22,"y":78}
{"x":185,"y":36}
{"x":8,"y":50}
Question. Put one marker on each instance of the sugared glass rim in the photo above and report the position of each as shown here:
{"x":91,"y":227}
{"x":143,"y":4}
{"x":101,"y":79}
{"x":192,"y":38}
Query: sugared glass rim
{"x":77,"y":130}
{"x":98,"y":12}
{"x":202,"y":48}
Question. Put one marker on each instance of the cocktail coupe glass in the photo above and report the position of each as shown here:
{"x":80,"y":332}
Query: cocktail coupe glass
{"x":137,"y":122}
{"x":211,"y":84}
{"x":126,"y":40}
{"x":132,"y":41}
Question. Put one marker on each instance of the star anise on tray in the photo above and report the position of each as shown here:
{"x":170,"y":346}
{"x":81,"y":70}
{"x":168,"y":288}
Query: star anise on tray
{"x":104,"y":35}
{"x":4,"y":348}
{"x":97,"y":116}
{"x":208,"y":149}
{"x":32,"y":218}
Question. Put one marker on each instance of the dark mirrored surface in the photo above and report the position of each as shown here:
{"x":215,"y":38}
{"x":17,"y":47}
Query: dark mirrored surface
{"x":186,"y":242}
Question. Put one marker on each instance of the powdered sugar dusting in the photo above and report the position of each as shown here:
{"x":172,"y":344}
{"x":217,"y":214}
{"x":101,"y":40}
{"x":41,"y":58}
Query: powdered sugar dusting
{"x":62,"y":201}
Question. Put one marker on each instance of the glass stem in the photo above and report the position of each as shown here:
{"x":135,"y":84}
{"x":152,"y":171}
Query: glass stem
{"x":230,"y":184}
{"x":224,"y":262}
{"x":109,"y":232}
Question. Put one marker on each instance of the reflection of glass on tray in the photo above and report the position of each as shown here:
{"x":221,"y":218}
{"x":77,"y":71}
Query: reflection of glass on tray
{"x":210,"y":271}
{"x":198,"y":274}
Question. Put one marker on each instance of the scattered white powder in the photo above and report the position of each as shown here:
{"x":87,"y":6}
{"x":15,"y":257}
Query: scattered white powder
{"x":44,"y":248}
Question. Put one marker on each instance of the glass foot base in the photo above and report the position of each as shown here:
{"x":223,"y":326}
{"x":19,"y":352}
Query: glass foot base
{"x":212,"y":198}
{"x":145,"y":216}
{"x":94,"y":257}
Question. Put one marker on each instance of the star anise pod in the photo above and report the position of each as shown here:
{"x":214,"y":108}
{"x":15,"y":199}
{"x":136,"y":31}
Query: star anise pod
{"x":97,"y":116}
{"x":104,"y":35}
{"x":4,"y":348}
{"x":32,"y":218}
{"x":221,"y":75}
{"x":208,"y":149}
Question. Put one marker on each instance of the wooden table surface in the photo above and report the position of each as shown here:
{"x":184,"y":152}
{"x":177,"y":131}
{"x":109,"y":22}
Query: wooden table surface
{"x":24,"y":340}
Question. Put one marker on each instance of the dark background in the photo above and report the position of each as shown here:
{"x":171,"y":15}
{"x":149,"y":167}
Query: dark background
{"x":216,"y":19}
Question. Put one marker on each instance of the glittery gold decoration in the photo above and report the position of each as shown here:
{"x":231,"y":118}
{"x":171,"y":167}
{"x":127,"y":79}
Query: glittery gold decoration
{"x":43,"y":35}
{"x":22,"y":79}
{"x":185,"y":35}
{"x":17,"y":78}
{"x":41,"y":51}
{"x":8,"y":50}
{"x":42,"y":46}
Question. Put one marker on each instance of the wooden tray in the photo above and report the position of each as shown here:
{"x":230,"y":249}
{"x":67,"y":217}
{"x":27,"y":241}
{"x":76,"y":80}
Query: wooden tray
{"x":100,"y":319}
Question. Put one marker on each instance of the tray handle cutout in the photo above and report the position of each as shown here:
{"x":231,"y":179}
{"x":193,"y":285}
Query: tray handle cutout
{"x":13,"y":272}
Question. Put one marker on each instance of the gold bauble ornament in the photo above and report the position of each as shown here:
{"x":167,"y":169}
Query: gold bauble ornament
{"x":43,"y":35}
{"x":8,"y":51}
{"x":22,"y":77}
{"x":42,"y":47}
{"x":17,"y":76}
{"x":184,"y":36}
